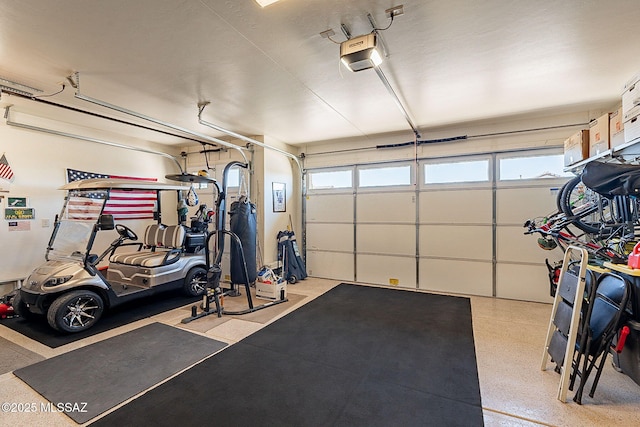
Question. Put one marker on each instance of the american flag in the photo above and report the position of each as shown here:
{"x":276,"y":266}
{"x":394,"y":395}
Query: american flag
{"x":122,"y":204}
{"x":5,"y":169}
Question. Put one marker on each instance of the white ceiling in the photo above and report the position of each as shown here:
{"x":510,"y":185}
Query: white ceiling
{"x":269,"y":72}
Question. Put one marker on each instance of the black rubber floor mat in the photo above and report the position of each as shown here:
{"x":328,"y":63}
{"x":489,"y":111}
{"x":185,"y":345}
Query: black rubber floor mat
{"x":355,"y":356}
{"x":39,"y":330}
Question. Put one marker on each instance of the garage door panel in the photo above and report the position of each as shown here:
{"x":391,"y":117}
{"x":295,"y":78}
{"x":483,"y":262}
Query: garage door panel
{"x":330,"y":237}
{"x":460,"y":207}
{"x":516,"y":205}
{"x":330,"y":207}
{"x":513,"y":245}
{"x":386,"y":207}
{"x":386,"y":270}
{"x":456,"y":241}
{"x":330,"y":265}
{"x":523,"y":282}
{"x":389,"y":239}
{"x":460,"y":277}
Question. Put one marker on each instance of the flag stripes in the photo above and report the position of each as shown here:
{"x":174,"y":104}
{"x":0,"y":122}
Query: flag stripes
{"x":122,"y":204}
{"x":5,"y":169}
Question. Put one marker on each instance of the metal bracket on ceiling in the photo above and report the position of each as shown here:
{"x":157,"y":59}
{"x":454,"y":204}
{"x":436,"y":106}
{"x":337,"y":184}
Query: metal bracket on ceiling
{"x":10,"y":122}
{"x":12,"y":90}
{"x":345,"y":31}
{"x":7,"y":84}
{"x":381,"y":42}
{"x":202,"y":106}
{"x":181,"y":129}
{"x":74,"y":83}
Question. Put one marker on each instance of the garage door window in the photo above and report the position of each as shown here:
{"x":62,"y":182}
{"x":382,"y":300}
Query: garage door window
{"x":327,"y":180}
{"x":384,"y":176}
{"x":456,"y":172}
{"x":532,"y":167}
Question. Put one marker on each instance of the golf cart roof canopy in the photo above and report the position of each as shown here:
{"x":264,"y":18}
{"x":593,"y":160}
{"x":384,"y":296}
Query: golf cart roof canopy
{"x":128,"y":184}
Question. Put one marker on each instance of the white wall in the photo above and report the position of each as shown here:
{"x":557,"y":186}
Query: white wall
{"x":39,"y":162}
{"x":278,"y":168}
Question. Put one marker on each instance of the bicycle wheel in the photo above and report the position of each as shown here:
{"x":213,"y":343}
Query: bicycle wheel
{"x":561,"y":192}
{"x":584,"y":207}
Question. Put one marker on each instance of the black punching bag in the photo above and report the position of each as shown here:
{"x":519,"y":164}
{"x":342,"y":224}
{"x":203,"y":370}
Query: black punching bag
{"x":243,"y":223}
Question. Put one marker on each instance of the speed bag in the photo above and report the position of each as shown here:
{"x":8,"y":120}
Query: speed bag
{"x":243,"y":223}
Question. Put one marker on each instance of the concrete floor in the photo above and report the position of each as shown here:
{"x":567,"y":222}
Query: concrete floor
{"x":509,"y":339}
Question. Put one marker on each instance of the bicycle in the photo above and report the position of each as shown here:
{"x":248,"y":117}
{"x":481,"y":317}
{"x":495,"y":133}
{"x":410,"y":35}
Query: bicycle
{"x":596,"y":213}
{"x":602,"y":206}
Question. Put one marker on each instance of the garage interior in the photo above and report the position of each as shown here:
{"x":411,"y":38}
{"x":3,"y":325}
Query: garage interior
{"x":416,"y":174}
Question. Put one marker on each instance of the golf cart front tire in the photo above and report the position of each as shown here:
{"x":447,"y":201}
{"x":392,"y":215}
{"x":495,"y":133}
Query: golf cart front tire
{"x":75,"y":311}
{"x":195,"y":284}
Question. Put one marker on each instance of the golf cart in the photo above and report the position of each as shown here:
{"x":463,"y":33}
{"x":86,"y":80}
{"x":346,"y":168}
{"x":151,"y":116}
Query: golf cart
{"x":74,"y":286}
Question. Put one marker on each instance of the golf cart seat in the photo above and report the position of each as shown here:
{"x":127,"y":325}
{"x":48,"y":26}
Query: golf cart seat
{"x":163,"y":246}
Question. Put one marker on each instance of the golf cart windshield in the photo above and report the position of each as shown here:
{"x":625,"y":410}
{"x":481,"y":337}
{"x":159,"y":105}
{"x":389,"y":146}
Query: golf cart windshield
{"x":75,"y":226}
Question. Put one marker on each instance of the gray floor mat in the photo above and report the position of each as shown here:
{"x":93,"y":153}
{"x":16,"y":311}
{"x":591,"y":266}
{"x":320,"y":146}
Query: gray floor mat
{"x":97,"y":377}
{"x":13,"y":356}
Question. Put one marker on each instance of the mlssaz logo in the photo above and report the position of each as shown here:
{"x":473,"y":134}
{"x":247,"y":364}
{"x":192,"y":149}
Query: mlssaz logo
{"x":65,"y":407}
{"x":361,"y":42}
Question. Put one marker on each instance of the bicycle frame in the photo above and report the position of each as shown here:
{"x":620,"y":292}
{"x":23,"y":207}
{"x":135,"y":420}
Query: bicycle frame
{"x":556,"y":228}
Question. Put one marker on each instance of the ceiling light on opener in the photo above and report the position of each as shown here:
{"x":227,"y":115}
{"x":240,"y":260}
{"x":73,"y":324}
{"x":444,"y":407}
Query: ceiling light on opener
{"x":360,"y":53}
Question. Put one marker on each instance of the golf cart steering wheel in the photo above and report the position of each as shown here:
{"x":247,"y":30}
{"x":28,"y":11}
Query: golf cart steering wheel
{"x":126,"y":232}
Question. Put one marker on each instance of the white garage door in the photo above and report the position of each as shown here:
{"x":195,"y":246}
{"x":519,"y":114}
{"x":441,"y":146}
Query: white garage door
{"x":329,"y":219}
{"x":449,"y":225}
{"x":456,"y":225}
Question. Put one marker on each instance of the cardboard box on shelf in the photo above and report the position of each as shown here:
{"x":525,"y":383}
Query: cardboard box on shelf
{"x":631,"y":98}
{"x":576,"y":147}
{"x":599,"y":135}
{"x":632,"y":128}
{"x":616,"y":128}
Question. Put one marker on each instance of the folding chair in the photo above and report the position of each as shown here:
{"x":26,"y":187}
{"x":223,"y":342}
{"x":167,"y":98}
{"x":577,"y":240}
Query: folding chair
{"x":607,"y":314}
{"x":591,"y":284}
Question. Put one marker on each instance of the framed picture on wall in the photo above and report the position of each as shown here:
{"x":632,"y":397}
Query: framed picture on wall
{"x":279,"y":190}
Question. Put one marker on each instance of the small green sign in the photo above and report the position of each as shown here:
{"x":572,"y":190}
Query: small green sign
{"x":17,"y":202}
{"x":18,"y":213}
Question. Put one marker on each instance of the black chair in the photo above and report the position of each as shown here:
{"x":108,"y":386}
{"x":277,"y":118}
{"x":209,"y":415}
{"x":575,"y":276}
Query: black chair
{"x":591,"y":284}
{"x":606,"y":314}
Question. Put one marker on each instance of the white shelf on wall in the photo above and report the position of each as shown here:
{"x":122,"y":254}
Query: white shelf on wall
{"x":628,"y":149}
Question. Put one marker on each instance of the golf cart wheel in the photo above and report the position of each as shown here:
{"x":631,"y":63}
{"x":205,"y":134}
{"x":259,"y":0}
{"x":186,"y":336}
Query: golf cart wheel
{"x":195,"y":284}
{"x":292,"y":279}
{"x":75,"y":311}
{"x":20,"y":308}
